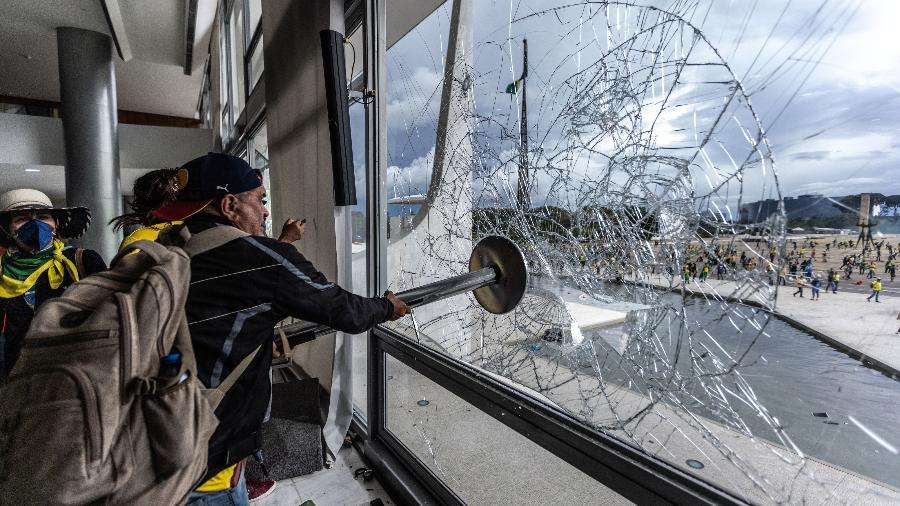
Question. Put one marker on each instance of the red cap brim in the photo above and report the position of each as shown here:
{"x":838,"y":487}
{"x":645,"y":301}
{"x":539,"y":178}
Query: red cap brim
{"x":180,"y":210}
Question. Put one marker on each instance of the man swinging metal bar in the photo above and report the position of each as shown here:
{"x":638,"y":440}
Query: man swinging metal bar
{"x":498,"y":275}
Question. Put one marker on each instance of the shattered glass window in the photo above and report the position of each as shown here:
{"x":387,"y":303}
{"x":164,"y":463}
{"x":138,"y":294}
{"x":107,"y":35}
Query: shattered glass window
{"x":497,"y":465}
{"x":630,"y":161}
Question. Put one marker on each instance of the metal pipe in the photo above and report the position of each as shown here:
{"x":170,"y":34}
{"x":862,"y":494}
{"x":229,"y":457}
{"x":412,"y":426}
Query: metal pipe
{"x":425,"y":294}
{"x":498,"y":276}
{"x":449,"y":287}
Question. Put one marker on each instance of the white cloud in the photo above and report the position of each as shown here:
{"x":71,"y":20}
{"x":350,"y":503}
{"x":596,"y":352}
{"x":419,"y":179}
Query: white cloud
{"x":867,"y":53}
{"x":410,"y":97}
{"x":412,"y":179}
{"x":844,"y":147}
{"x":842,"y":187}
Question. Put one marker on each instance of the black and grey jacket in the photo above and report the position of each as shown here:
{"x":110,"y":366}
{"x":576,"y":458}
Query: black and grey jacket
{"x":238,"y":292}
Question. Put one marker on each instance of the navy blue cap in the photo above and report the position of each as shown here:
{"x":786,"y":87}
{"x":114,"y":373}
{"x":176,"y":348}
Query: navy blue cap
{"x":214,"y":175}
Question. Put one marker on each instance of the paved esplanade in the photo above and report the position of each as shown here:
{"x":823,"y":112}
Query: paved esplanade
{"x":434,"y":433}
{"x":846,"y":318}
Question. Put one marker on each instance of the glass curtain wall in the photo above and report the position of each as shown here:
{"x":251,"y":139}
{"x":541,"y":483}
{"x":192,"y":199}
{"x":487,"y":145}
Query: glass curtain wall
{"x":236,"y":54}
{"x":480,"y":459}
{"x":224,"y":79}
{"x":241,"y":60}
{"x":258,"y":150}
{"x":615,"y":145}
{"x":353,"y":54}
{"x":254,"y":51}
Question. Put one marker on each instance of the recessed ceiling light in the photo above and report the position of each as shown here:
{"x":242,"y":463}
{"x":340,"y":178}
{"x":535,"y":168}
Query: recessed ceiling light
{"x":32,"y":170}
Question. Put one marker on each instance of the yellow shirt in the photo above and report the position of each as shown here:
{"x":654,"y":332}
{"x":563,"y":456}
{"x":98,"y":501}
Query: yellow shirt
{"x":219,"y":482}
{"x":876,"y":285}
{"x":150,"y":233}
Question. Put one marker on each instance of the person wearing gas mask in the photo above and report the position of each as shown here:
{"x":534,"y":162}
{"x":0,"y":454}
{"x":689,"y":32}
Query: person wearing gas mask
{"x":37,"y":264}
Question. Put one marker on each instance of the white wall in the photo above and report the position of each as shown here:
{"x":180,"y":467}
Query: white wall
{"x":31,"y":140}
{"x":36,"y":143}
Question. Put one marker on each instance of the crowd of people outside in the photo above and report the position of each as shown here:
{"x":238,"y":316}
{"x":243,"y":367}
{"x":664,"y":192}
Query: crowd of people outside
{"x":805,"y":264}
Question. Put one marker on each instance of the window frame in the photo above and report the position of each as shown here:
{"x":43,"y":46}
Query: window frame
{"x":225,"y":112}
{"x":251,"y":38}
{"x":625,"y":469}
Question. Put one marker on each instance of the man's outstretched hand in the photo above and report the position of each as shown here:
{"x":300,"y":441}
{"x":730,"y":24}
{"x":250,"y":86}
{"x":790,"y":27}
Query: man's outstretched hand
{"x":400,"y":307}
{"x":292,"y":230}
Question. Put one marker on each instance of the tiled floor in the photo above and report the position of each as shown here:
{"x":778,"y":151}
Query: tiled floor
{"x":329,"y":486}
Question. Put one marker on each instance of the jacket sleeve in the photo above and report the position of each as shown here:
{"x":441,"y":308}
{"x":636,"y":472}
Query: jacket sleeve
{"x":304,"y":292}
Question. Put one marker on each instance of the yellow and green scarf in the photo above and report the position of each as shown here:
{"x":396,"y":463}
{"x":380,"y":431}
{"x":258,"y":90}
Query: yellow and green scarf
{"x":19,"y":272}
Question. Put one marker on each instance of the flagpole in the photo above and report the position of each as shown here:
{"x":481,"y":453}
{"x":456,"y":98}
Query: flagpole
{"x":523,"y":199}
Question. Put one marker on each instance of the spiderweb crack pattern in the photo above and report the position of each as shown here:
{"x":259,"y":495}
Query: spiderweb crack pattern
{"x":643,"y":144}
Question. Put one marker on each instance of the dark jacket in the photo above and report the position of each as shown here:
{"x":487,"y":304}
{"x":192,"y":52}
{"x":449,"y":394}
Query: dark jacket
{"x":16,"y":313}
{"x":238,"y":292}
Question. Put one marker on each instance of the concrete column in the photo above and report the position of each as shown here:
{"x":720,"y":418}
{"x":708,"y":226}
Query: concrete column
{"x":302,"y":180}
{"x":297,"y":121}
{"x":90,"y":128}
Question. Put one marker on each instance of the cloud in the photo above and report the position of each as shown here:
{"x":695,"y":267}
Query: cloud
{"x":411,"y":179}
{"x":842,"y":187}
{"x":810,"y":155}
{"x":839,"y":135}
{"x":422,"y":93}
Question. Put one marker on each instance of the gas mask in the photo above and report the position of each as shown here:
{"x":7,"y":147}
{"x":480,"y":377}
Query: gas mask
{"x":36,"y":235}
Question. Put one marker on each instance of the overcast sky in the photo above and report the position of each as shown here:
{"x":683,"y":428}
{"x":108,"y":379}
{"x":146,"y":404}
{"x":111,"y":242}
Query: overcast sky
{"x":824,"y":80}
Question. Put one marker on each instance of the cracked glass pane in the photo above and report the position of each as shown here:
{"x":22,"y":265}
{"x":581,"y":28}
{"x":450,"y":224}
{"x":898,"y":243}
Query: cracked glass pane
{"x":496,"y":465}
{"x":630,"y":162}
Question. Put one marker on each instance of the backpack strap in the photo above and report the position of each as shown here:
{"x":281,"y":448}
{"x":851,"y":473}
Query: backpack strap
{"x":79,"y":263}
{"x":210,"y":238}
{"x":152,"y":249}
{"x":285,"y":344}
{"x":215,"y":395}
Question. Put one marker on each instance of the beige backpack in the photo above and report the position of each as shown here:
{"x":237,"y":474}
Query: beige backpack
{"x":89,"y":414}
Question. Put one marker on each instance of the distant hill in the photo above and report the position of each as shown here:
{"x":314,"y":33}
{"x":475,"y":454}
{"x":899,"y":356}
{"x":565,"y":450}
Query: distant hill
{"x":821,"y":211}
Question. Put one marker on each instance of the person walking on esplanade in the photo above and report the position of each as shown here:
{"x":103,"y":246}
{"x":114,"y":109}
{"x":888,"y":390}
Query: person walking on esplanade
{"x":814,"y":287}
{"x":37,"y":264}
{"x":704,"y":272}
{"x":799,"y":282}
{"x":876,"y":289}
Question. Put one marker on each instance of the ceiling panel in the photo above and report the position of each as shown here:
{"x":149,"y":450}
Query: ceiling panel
{"x":404,"y":15}
{"x":152,"y":81}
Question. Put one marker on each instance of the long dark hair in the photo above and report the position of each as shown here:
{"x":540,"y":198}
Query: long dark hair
{"x":151,"y":191}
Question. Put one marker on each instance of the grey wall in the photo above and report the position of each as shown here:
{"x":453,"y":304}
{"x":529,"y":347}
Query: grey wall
{"x":297,"y":121}
{"x":302,"y":183}
{"x":34,"y":140}
{"x":36,"y":143}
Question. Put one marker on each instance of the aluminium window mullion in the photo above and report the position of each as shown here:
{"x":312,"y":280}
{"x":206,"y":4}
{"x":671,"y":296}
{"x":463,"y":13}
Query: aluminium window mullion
{"x":374,"y":28}
{"x":245,"y":20}
{"x":229,"y":85}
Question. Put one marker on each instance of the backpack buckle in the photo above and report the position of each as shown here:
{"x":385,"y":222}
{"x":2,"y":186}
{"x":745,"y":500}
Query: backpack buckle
{"x":145,"y":386}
